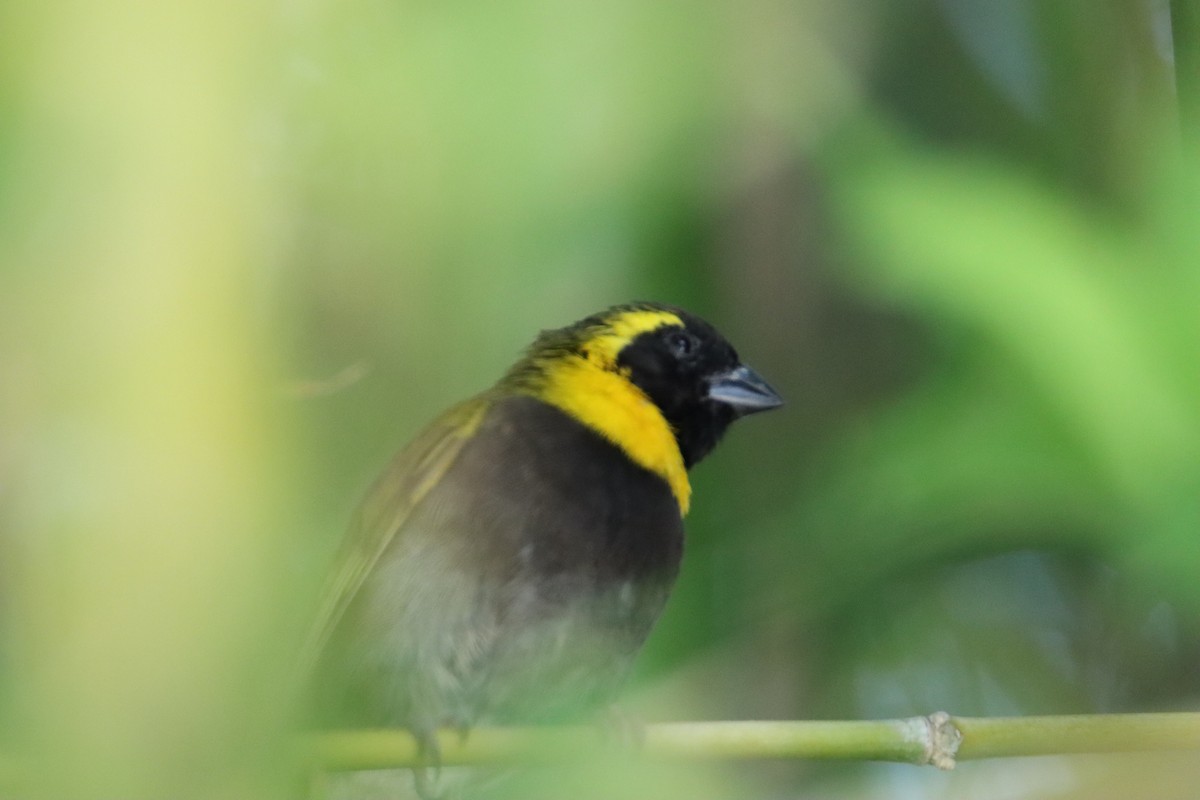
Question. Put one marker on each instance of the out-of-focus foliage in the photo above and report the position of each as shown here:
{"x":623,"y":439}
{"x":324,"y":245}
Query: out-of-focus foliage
{"x":246,"y":251}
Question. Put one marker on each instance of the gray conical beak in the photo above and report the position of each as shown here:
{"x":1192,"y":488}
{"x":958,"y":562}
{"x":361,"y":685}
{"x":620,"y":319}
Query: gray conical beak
{"x":744,"y":390}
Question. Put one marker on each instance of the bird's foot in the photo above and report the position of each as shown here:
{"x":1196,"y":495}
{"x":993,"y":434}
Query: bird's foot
{"x":623,"y":729}
{"x":428,"y":771}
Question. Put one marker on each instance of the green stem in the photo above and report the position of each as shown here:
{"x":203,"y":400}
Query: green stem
{"x":1185,"y":43}
{"x":938,"y":739}
{"x":1098,"y":733}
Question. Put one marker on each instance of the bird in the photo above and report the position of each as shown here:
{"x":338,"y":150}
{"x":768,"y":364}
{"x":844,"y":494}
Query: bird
{"x":509,"y":563}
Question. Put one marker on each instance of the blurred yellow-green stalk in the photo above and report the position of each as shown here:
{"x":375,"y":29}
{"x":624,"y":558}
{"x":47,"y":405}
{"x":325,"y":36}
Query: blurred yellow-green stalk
{"x":247,"y":249}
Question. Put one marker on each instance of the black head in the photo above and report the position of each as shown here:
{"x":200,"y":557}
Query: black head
{"x":695,"y":378}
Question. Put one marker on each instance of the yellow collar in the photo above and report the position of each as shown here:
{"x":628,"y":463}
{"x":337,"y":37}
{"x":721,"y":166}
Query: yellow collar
{"x":603,"y":398}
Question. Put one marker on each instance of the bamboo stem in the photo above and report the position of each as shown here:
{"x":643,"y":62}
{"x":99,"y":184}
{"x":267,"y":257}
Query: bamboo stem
{"x":1185,"y":40}
{"x":937,"y":739}
{"x":1098,"y":733}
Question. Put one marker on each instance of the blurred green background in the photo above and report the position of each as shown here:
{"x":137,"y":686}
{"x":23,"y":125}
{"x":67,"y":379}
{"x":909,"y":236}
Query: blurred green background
{"x":247,"y":249}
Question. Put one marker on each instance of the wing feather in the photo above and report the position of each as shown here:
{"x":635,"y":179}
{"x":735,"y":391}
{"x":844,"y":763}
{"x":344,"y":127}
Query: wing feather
{"x":387,"y":507}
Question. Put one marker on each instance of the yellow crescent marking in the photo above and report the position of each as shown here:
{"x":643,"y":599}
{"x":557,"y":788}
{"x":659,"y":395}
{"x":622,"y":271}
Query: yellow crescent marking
{"x":592,"y":389}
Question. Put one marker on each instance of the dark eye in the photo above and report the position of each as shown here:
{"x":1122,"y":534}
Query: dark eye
{"x":681,"y":344}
